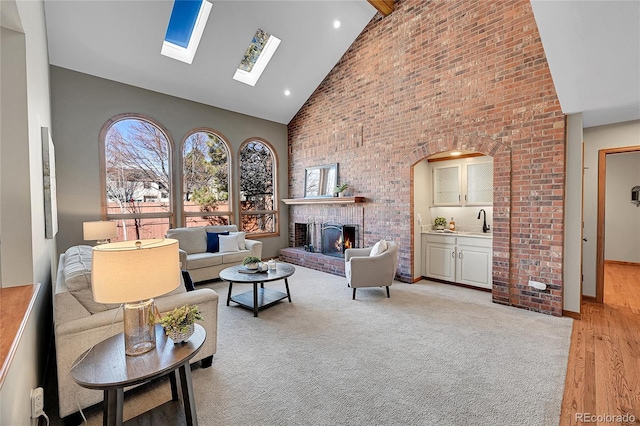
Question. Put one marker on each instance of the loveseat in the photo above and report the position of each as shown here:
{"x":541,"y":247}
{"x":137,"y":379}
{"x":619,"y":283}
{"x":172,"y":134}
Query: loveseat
{"x":207,"y":250}
{"x":80,"y":323}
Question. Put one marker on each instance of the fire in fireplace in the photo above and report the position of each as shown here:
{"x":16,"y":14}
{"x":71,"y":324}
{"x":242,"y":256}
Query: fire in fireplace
{"x":336,"y":238}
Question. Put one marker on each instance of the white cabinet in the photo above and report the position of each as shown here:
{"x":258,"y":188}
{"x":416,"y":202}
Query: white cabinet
{"x":446,"y":185}
{"x":465,"y":182}
{"x":440,"y":257}
{"x":464,"y":260}
{"x":474,"y":261}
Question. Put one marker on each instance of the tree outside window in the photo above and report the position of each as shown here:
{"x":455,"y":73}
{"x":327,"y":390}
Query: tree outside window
{"x":137,"y":178}
{"x":257,"y":188}
{"x":205,"y":170}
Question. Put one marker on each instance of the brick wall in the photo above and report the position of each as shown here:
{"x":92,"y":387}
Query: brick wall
{"x":436,"y":76}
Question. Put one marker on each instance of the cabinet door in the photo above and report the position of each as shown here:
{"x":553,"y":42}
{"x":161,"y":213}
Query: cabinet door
{"x":479,"y":184}
{"x":446,"y":186}
{"x":473,"y":266}
{"x":441,"y":261}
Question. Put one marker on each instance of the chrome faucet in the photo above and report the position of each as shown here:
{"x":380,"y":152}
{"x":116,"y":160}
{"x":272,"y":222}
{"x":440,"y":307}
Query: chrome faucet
{"x":485,"y":228}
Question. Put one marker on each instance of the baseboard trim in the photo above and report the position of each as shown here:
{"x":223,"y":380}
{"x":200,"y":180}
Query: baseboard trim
{"x":488,"y":290}
{"x":589,"y":299}
{"x":571,"y":314}
{"x":620,"y":262}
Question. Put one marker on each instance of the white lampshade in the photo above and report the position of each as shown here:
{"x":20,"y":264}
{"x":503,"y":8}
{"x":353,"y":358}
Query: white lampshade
{"x":130,"y":271}
{"x":99,"y":230}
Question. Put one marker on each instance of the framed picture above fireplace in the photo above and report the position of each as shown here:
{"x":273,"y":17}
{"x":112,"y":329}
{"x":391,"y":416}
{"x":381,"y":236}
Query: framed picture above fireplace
{"x":320,"y":181}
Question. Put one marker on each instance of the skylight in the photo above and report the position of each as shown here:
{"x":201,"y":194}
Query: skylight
{"x":186,"y":25}
{"x":256,"y":58}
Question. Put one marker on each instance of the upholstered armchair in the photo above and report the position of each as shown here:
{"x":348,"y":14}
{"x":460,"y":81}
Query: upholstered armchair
{"x":371,"y":267}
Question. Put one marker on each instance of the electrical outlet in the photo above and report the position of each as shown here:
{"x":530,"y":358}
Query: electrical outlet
{"x":537,"y":285}
{"x":37,"y":402}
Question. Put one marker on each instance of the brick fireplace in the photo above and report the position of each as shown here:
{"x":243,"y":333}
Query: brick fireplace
{"x":342,"y":226}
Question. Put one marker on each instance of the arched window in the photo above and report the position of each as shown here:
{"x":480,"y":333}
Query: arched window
{"x":258,"y":209}
{"x":205,"y":179}
{"x":136,"y":177}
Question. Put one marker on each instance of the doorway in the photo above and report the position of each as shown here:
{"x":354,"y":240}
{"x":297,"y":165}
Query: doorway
{"x":601,"y":214}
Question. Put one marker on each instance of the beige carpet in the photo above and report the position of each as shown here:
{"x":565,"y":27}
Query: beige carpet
{"x":432,"y":354}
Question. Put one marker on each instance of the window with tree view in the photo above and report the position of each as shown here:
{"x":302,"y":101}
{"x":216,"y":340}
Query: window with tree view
{"x":136,"y":167}
{"x":205,"y":171}
{"x":258,"y":214}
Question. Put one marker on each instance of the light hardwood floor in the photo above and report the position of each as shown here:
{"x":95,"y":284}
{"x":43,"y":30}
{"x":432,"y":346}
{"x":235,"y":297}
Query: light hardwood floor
{"x":603,"y":373}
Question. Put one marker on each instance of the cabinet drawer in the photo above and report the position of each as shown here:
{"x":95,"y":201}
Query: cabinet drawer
{"x":475,"y":242}
{"x":441,"y":239}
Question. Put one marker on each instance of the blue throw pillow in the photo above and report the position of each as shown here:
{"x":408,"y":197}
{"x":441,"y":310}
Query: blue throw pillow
{"x":213,"y":243}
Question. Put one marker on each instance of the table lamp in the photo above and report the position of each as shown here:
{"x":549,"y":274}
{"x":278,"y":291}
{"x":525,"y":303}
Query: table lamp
{"x":100,"y":231}
{"x":133,"y":272}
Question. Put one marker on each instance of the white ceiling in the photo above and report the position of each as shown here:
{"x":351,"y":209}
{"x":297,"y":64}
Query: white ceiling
{"x":121,"y":41}
{"x":593,"y":49}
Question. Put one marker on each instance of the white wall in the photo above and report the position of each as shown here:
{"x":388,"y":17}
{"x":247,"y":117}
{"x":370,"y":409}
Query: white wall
{"x":595,"y":139}
{"x":421,"y":197}
{"x":622,"y":218}
{"x":572,"y":289}
{"x":26,"y":254}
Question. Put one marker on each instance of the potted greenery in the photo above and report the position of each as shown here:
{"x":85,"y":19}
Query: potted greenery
{"x":251,"y":262}
{"x":440,"y":222}
{"x":179,"y":323}
{"x":341,"y":188}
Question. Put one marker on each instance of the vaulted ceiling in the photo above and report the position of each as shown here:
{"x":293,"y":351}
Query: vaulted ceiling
{"x":593,"y":49}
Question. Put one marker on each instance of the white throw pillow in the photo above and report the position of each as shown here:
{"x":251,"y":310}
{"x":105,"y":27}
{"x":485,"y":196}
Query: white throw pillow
{"x":242,"y":245}
{"x":228,"y":243}
{"x":378,"y":248}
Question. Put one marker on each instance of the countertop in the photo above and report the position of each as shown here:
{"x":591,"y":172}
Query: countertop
{"x":460,"y":233}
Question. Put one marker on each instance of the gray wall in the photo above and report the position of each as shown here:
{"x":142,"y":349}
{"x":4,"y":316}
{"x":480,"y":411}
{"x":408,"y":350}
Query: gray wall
{"x":622,"y":218}
{"x":572,"y":290}
{"x":82,"y":104}
{"x":26,"y":255}
{"x":597,"y":138}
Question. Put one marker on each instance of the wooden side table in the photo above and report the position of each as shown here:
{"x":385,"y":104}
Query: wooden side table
{"x":106,"y":367}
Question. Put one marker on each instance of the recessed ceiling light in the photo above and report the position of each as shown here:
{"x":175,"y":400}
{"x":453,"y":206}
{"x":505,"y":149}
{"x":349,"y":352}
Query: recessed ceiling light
{"x":336,"y":24}
{"x":186,"y":25}
{"x":262,"y":47}
{"x":287,"y":92}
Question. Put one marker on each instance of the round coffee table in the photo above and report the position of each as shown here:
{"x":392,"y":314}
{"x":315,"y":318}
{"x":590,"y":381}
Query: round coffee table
{"x":259,"y":298}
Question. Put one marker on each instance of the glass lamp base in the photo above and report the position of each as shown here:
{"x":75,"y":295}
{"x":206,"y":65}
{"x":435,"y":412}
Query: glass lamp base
{"x":139,"y":327}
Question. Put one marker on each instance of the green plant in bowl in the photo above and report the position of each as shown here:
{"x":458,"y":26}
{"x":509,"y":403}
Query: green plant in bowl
{"x":251,"y":262}
{"x":440,"y":222}
{"x":179,"y":319}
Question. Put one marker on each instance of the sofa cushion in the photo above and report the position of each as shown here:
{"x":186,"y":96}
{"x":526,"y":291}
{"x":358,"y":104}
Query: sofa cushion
{"x":235,"y":257}
{"x":77,"y":278}
{"x":191,"y":240}
{"x":203,"y":260}
{"x":228,"y":243}
{"x":213,"y":241}
{"x":221,"y":228}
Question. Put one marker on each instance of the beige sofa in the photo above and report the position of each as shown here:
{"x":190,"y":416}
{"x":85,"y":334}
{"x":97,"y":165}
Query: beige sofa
{"x":80,"y":323}
{"x":204,"y":265}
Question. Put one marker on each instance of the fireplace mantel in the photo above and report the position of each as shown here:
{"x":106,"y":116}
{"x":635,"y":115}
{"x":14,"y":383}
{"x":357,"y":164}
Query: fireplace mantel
{"x":323,"y":200}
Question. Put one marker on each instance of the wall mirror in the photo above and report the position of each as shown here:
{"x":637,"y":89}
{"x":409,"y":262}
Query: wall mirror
{"x":320,"y":181}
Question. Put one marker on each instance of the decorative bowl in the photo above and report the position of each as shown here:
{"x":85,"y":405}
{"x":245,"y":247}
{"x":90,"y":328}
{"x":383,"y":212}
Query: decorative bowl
{"x":252,"y":266}
{"x":178,"y":337}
